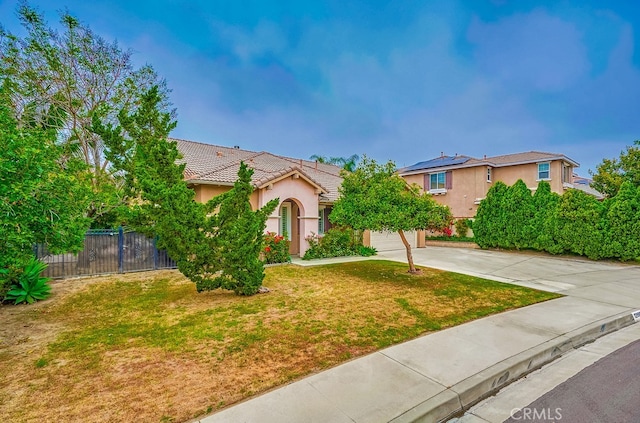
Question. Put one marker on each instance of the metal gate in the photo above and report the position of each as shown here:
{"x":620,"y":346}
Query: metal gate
{"x":106,"y":251}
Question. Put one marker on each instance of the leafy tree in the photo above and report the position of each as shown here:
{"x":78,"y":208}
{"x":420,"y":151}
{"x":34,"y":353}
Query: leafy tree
{"x":65,"y":80}
{"x":43,"y":194}
{"x":347,"y":163}
{"x":374,"y":197}
{"x":611,"y":173}
{"x":216,"y":245}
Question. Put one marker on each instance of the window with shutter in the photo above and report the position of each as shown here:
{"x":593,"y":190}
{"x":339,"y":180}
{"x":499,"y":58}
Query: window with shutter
{"x":439,"y":182}
{"x":321,"y":221}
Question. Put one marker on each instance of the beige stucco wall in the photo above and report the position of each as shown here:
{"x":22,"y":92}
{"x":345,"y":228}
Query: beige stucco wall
{"x":204,"y":193}
{"x":468,"y":185}
{"x":298,"y":191}
{"x":529,"y":175}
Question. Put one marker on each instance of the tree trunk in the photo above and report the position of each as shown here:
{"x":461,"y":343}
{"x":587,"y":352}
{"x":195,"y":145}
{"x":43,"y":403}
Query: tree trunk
{"x":412,"y":267}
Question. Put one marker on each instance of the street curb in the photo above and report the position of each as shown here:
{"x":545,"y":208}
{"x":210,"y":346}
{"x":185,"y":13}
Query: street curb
{"x":457,"y":399}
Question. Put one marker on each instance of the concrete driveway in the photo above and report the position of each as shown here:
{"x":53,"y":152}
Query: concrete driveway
{"x":575,"y":277}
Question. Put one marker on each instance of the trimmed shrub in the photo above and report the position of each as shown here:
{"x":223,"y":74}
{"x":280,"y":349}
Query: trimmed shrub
{"x":573,"y":223}
{"x":276,"y":249}
{"x":542,"y":225}
{"x":579,"y":224}
{"x":622,"y":230}
{"x":462,"y":227}
{"x":490,"y":223}
{"x":517,"y":206}
{"x":338,"y":241}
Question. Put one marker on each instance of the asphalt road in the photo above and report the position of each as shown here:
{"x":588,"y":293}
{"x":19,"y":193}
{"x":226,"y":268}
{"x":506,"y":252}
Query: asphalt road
{"x":608,"y":391}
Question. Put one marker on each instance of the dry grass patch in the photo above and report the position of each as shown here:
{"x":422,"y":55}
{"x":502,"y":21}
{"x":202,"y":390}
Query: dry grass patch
{"x":147,"y":347}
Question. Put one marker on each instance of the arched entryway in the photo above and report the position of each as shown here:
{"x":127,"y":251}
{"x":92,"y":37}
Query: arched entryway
{"x":289,"y":223}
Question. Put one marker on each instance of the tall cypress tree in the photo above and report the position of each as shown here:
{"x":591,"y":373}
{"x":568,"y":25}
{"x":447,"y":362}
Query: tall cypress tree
{"x":216,"y":245}
{"x":239,"y":236}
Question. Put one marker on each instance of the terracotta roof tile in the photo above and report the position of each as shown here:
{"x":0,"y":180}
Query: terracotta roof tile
{"x":219,"y":164}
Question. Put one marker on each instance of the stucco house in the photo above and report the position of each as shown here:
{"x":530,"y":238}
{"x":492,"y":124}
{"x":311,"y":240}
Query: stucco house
{"x":306,"y":189}
{"x":461,"y":182}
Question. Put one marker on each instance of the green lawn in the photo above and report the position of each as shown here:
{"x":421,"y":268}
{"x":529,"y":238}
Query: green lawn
{"x":148,"y":347}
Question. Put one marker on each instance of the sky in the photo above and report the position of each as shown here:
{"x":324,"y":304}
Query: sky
{"x":395,"y":80}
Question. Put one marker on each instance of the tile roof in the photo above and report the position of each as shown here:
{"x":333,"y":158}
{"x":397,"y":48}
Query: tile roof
{"x":584,"y":184}
{"x":208,"y":163}
{"x":447,"y":162}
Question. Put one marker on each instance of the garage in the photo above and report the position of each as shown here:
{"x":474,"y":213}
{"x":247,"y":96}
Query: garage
{"x":387,"y":241}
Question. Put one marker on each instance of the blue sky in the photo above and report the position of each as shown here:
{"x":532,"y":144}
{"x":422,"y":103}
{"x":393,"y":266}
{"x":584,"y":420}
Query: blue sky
{"x":399,"y":80}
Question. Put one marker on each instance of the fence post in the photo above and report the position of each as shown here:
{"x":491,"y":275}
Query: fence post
{"x":120,"y":250}
{"x":155,"y":253}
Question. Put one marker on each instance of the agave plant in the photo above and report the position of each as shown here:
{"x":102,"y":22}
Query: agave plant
{"x":31,"y":287}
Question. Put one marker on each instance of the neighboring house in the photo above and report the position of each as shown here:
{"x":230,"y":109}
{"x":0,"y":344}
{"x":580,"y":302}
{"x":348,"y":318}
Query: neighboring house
{"x":584,"y":184}
{"x":306,"y":189}
{"x":461,"y":182}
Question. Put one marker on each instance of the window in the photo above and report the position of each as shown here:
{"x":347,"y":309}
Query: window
{"x":488,"y":174}
{"x":543,"y":171}
{"x":321,"y":221}
{"x":567,"y":173}
{"x":438,"y":183}
{"x":285,"y":220}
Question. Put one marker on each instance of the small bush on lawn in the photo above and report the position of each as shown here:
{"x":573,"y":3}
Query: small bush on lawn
{"x":28,"y":286}
{"x":365,"y":251}
{"x":276,"y":249}
{"x":337,"y":242}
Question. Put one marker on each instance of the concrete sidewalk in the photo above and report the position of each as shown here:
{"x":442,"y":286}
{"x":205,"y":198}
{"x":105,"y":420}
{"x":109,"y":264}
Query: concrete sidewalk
{"x":441,"y":374}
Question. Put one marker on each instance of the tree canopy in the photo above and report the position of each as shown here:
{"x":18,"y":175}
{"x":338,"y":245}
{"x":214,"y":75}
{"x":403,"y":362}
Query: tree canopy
{"x":347,"y":163}
{"x":374,"y":197}
{"x":67,"y":79}
{"x":43,"y":193}
{"x":612,"y":173}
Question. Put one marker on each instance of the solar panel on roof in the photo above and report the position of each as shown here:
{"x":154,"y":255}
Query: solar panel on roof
{"x":438,"y":162}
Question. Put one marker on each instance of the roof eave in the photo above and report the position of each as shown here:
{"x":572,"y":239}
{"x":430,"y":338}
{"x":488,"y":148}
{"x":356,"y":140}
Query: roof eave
{"x":206,"y":182}
{"x":301,"y":174}
{"x":489,"y":163}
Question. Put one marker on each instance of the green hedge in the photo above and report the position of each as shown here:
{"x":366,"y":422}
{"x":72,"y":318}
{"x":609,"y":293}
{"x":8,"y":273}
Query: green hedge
{"x":577,"y":223}
{"x":338,"y":241}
